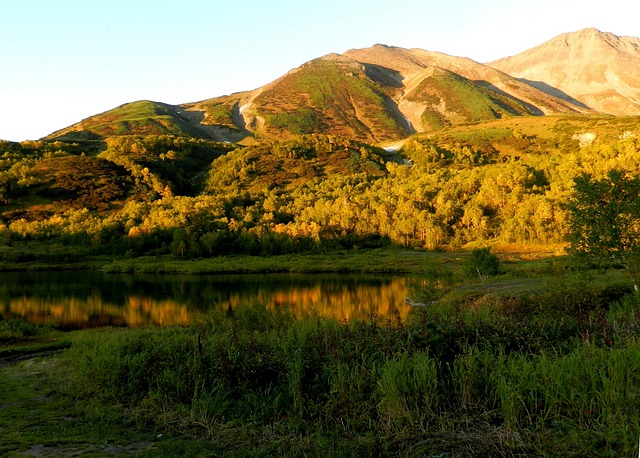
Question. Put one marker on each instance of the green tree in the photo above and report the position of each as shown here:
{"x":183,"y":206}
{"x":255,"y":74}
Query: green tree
{"x":604,"y":221}
{"x":483,"y":263}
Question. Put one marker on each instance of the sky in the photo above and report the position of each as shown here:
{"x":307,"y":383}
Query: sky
{"x":64,"y":60}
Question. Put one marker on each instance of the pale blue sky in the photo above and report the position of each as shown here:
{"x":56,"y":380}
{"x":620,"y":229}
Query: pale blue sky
{"x":64,"y":60}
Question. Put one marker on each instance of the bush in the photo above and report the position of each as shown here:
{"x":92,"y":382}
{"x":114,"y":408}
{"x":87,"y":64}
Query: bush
{"x":483,"y":263}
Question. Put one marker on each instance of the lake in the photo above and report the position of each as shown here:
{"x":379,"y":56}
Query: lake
{"x":76,"y":300}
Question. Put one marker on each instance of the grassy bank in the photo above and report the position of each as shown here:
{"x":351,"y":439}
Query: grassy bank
{"x":383,"y":260}
{"x":549,"y":373}
{"x":379,"y":260}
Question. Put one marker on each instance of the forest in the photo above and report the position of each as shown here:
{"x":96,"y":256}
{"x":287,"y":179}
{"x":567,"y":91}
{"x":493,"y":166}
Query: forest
{"x":500,"y":183}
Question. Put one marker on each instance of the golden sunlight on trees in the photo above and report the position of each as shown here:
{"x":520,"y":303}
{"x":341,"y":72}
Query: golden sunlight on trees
{"x":604,"y":219}
{"x":191,"y":198}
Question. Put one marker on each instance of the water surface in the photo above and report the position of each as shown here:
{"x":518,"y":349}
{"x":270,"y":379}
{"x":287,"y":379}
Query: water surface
{"x":72,"y":299}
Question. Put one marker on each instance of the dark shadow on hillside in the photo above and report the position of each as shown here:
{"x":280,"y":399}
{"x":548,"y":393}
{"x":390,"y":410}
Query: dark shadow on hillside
{"x":544,"y":87}
{"x":390,"y":78}
{"x":532,"y":108}
{"x":74,"y":136}
{"x":87,"y":142}
{"x":384,"y":75}
{"x":214,"y":132}
{"x":399,"y":117}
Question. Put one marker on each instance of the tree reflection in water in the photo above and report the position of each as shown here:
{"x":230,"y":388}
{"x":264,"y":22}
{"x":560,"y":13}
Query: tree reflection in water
{"x":72,"y":300}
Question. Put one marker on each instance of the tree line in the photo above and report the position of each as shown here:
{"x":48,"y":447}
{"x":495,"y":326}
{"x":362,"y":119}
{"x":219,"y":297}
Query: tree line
{"x":193,"y":198}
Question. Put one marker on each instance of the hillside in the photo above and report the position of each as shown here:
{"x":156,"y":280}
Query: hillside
{"x":377,"y":94}
{"x":504,"y":181}
{"x":39,"y":180}
{"x":598,"y":69}
{"x":287,"y":165}
{"x":385,"y":93}
{"x":413,"y":66}
{"x":137,"y":118}
{"x":330,"y":95}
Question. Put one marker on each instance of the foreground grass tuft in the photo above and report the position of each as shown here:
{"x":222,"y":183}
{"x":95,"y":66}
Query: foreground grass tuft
{"x":500,"y":368}
{"x":551,"y":373}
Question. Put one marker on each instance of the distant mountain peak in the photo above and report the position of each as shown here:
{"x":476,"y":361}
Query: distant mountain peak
{"x":599,"y":69}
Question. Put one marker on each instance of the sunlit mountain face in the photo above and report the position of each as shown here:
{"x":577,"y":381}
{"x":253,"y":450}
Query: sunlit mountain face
{"x":596,"y":69}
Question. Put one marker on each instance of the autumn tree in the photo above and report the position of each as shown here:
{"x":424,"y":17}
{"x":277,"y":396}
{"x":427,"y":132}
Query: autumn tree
{"x":604,"y":219}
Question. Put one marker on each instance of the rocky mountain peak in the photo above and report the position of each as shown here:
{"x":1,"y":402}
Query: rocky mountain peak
{"x":599,"y":69}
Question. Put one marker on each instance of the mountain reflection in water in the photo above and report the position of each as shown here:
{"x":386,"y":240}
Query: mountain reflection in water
{"x":72,"y":300}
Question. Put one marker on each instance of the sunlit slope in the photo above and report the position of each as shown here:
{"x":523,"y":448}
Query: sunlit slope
{"x":417,"y":69}
{"x":137,"y":118}
{"x":598,"y":69}
{"x":377,"y":94}
{"x":330,"y":95}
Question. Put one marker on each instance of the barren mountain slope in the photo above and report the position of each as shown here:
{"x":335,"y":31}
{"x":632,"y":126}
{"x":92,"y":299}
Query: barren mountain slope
{"x":599,"y":69}
{"x":411,"y":64}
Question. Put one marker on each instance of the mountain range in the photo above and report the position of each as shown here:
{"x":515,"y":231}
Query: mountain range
{"x":386,"y":93}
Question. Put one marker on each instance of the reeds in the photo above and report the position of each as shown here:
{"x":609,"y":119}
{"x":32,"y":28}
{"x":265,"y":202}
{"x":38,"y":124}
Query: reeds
{"x":542,"y":379}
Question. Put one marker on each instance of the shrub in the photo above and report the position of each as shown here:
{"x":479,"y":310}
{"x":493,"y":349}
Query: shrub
{"x":483,"y":263}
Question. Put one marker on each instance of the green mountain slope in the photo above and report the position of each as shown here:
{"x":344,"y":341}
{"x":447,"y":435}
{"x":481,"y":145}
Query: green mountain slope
{"x":450,"y":99}
{"x":330,"y":95}
{"x":377,"y":94}
{"x":410,"y":67}
{"x":137,"y":118}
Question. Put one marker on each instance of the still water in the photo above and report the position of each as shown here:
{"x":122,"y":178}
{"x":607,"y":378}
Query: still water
{"x":72,"y":300}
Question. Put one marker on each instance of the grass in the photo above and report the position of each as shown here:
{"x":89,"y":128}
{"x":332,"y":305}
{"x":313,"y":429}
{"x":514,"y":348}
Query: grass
{"x":327,"y":94}
{"x":383,"y":260}
{"x":140,"y":117}
{"x":549,"y":372}
{"x":466,"y":101}
{"x":44,"y":412}
{"x":39,"y":410}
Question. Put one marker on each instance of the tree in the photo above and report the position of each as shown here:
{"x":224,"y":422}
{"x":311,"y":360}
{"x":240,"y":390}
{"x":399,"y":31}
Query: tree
{"x":604,"y":221}
{"x":483,"y":263}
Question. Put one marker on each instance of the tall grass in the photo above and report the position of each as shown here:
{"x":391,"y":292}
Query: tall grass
{"x":408,"y":392}
{"x":539,"y":374}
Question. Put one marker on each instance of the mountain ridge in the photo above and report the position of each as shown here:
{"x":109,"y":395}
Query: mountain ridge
{"x":386,"y":93}
{"x":599,"y":69}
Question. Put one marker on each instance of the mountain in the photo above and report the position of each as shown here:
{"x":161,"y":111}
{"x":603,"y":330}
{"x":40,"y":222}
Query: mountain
{"x":332,"y":95}
{"x":385,"y":93}
{"x":137,"y":118}
{"x":598,"y":69}
{"x":379,"y":93}
{"x":420,"y":70}
{"x":374,"y":94}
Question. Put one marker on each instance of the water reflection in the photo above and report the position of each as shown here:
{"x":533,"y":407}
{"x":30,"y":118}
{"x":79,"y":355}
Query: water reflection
{"x":92,"y":299}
